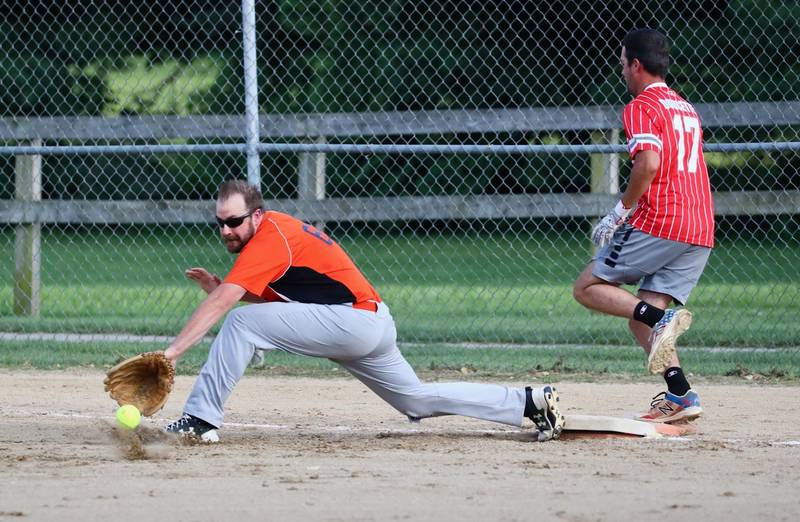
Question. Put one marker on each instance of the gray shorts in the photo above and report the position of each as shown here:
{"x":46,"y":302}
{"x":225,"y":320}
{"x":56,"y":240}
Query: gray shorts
{"x":663,"y":266}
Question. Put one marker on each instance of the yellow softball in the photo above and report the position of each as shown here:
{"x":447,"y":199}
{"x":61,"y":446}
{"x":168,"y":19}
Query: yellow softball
{"x":128,"y":416}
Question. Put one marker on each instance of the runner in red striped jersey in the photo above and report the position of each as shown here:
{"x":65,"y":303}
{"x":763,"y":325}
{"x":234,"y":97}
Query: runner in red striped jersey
{"x":677,"y":205}
{"x":664,"y":243}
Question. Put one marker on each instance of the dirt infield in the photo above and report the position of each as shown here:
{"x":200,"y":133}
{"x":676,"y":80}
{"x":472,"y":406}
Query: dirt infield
{"x":318,"y":449}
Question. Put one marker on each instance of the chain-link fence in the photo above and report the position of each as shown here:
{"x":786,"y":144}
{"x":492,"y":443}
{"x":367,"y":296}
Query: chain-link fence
{"x":458,"y":150}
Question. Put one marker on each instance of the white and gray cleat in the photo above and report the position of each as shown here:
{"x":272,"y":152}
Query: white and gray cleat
{"x":546,"y":415}
{"x":191,"y":426}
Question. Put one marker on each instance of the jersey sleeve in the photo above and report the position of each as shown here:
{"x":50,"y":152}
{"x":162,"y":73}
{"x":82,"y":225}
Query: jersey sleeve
{"x":265,"y":258}
{"x":642,"y":131}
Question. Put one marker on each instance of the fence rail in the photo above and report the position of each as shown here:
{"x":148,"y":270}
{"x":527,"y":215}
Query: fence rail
{"x":375,"y":209}
{"x":377,"y":123}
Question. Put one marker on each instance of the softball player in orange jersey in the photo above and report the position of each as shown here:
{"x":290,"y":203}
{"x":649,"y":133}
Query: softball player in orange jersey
{"x":308,"y":298}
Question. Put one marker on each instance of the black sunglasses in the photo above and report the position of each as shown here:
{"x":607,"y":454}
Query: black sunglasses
{"x":233,"y":222}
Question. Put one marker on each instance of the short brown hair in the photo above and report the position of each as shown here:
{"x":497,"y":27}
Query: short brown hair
{"x":252,"y":195}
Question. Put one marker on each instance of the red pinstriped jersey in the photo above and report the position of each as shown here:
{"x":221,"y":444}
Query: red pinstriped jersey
{"x":678,"y":204}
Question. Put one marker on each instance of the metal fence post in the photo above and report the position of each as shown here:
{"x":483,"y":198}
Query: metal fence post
{"x":311,"y":177}
{"x":605,"y":167}
{"x":27,"y":245}
{"x":251,"y":92}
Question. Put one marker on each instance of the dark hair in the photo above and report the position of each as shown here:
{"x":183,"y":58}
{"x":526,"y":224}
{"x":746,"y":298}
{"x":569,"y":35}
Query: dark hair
{"x":650,"y":47}
{"x":252,"y":195}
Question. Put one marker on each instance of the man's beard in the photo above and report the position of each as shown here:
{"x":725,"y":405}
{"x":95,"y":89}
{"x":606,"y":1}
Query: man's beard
{"x":235,"y":245}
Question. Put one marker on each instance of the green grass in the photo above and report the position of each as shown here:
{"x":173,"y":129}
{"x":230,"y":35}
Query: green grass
{"x":438,"y":360}
{"x":515,"y":288}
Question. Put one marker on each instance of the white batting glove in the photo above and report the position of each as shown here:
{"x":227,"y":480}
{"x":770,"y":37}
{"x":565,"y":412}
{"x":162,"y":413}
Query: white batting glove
{"x":605,"y":228}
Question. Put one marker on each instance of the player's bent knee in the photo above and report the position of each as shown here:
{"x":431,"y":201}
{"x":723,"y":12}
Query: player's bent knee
{"x":234,"y":329}
{"x":236,"y":318}
{"x":576,"y":292}
{"x":579,"y":292}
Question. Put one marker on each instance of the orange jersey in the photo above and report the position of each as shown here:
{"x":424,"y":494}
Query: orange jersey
{"x":288,"y":260}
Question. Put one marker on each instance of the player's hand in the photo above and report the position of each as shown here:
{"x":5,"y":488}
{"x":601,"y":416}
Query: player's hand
{"x":204,"y":279}
{"x":172,"y":356}
{"x":605,"y":228}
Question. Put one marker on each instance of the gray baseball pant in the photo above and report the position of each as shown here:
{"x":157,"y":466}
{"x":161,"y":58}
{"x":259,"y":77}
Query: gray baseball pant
{"x":361,"y":341}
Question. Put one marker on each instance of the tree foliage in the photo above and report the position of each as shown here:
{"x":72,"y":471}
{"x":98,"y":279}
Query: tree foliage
{"x":115,"y":57}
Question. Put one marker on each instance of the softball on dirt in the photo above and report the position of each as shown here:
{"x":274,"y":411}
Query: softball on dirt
{"x":128,"y":416}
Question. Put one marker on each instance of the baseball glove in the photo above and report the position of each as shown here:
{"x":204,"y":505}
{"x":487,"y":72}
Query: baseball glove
{"x":144,"y":381}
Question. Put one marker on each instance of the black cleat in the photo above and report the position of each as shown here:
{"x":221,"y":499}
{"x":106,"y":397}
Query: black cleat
{"x":549,"y":420}
{"x":189,"y":425}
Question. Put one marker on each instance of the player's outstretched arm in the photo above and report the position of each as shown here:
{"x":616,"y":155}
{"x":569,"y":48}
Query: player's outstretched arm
{"x":204,"y":279}
{"x":209,"y":282}
{"x":204,"y":317}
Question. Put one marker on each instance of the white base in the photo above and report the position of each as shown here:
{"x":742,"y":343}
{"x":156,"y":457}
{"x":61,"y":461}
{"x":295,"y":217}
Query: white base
{"x":609,"y":424}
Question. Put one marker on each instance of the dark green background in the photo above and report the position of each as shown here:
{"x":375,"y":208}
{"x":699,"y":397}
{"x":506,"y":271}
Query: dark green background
{"x":386,"y":55}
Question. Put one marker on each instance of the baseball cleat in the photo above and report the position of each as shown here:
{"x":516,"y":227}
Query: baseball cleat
{"x":667,"y":408}
{"x":191,"y":426}
{"x":664,"y":336}
{"x":548,"y":420}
